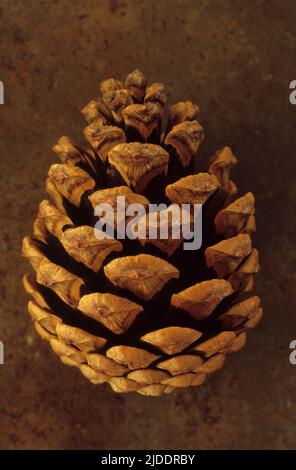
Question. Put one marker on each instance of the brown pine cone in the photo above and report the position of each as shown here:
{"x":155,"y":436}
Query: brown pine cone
{"x":142,"y":314}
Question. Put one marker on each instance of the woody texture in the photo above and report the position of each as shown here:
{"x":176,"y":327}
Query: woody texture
{"x":143,"y":315}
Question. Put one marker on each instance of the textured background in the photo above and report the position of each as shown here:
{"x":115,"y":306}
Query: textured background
{"x":236,"y":60}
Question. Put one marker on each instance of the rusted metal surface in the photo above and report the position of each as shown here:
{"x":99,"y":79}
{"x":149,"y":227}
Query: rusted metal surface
{"x":235,"y":60}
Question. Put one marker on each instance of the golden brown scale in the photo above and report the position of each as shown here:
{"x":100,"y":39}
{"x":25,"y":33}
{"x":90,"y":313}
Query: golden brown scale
{"x":149,"y":229}
{"x":116,"y":101}
{"x":232,"y":219}
{"x":50,"y":220}
{"x":96,"y":112}
{"x":182,"y":111}
{"x":65,"y":284}
{"x":144,"y":118}
{"x":144,"y":275}
{"x":139,"y":163}
{"x":132,"y":357}
{"x":82,"y":340}
{"x":193,"y":189}
{"x":185,"y":138}
{"x":225,"y":256}
{"x":242,"y":279}
{"x":114,"y":312}
{"x":86,"y":247}
{"x":155,"y":94}
{"x":201,"y":299}
{"x":71,"y":182}
{"x":106,"y":365}
{"x":136,"y":84}
{"x":240,"y":312}
{"x":173,"y":339}
{"x":219,"y":343}
{"x":103,"y":138}
{"x":66,"y":151}
{"x":109,"y":196}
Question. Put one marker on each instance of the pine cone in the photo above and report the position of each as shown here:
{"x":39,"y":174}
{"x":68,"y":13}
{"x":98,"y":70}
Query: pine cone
{"x":144,"y":315}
